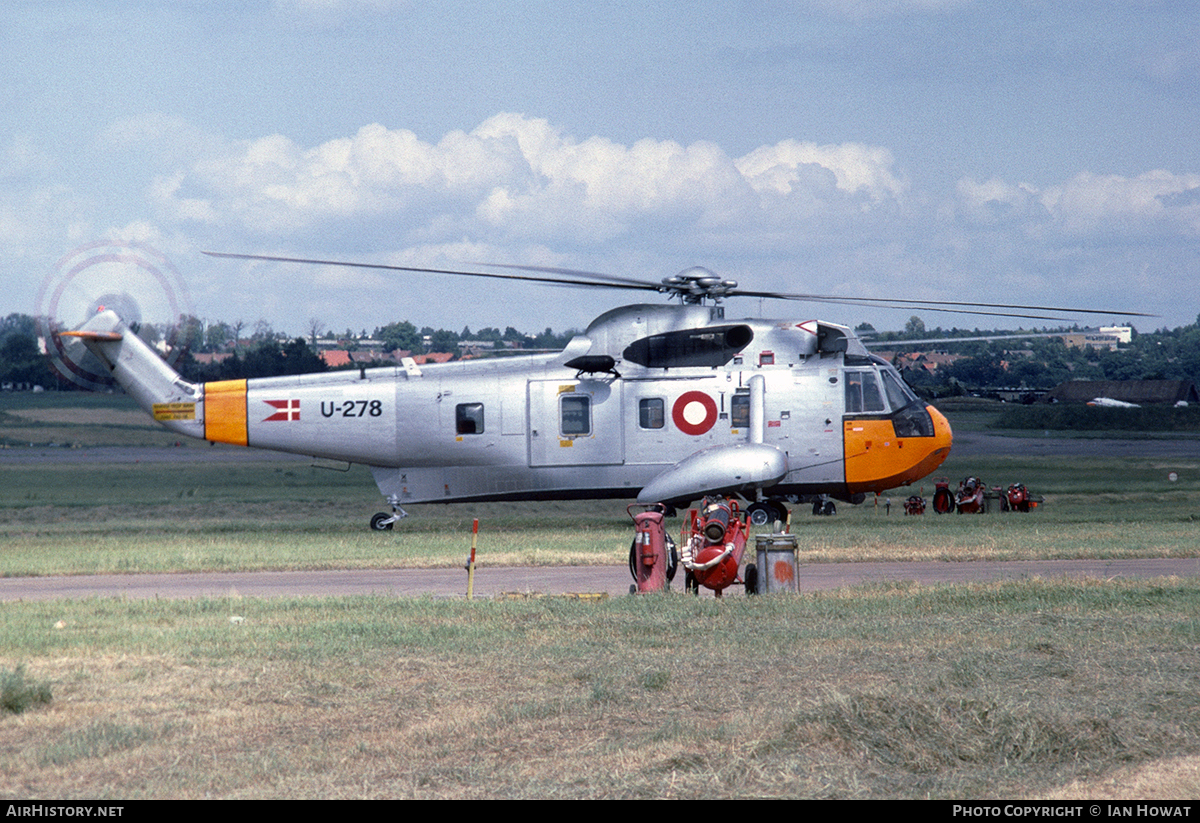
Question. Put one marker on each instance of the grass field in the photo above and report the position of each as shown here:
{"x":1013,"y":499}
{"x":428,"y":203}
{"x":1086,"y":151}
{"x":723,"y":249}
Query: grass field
{"x":1030,"y":689}
{"x":1004,"y":690}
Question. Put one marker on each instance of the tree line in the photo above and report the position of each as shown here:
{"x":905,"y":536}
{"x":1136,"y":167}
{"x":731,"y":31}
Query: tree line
{"x":259,"y":351}
{"x":1044,"y":362}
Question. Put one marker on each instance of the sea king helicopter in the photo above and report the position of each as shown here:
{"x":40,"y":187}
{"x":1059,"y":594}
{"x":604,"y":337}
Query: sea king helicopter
{"x":664,"y":403}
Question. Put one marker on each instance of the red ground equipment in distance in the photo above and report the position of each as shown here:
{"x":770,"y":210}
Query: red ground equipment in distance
{"x":1019,"y":499}
{"x":969,"y":498}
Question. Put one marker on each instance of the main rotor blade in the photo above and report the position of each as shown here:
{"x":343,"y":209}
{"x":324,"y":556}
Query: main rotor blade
{"x":864,"y":302}
{"x":959,"y":307}
{"x":900,"y":303}
{"x":616,"y":280}
{"x":561,"y":281}
{"x":586,"y":279}
{"x":904,"y":302}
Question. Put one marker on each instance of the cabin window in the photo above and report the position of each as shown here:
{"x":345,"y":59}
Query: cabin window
{"x":739,"y":411}
{"x":651,"y":413}
{"x":576,"y":414}
{"x":862,"y":393}
{"x":468,"y":418}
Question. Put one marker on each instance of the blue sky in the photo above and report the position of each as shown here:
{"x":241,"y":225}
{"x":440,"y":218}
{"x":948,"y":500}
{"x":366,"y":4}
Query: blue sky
{"x":992,"y":150}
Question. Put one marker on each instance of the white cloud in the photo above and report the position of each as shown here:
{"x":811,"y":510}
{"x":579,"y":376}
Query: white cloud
{"x":791,"y":215}
{"x":523,"y":177}
{"x":1091,"y":203}
{"x":996,"y":201}
{"x":857,"y":169}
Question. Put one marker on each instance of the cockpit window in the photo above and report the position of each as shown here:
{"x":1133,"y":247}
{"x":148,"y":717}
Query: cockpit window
{"x":899,"y":395}
{"x":862,"y":393}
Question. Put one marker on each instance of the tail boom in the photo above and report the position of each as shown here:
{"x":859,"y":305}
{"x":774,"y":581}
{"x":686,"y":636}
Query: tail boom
{"x":158,"y":389}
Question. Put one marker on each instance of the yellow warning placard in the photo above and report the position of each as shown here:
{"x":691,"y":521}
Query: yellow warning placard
{"x":174,"y":411}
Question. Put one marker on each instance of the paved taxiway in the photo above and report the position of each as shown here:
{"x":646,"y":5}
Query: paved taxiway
{"x":490,"y":582}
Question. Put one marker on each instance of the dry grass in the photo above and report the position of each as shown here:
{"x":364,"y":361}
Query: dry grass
{"x":1168,"y":779}
{"x":1019,"y":689}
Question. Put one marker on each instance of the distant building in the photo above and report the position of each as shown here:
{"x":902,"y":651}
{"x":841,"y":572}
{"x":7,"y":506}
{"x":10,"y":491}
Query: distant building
{"x":209,"y":358}
{"x":929,"y":361}
{"x":341,"y":359}
{"x":1108,"y":337}
{"x":1142,"y":392}
{"x":433,"y":357}
{"x":1124,"y":333}
{"x":337,"y":358}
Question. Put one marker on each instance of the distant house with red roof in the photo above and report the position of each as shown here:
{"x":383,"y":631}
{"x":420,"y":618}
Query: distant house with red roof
{"x":337,"y":358}
{"x":208,"y":358}
{"x":433,"y":357}
{"x":342,"y":359}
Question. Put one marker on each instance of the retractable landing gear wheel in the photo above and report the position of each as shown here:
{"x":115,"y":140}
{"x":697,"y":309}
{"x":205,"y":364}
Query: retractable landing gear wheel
{"x":760,"y":514}
{"x":381,"y":522}
{"x":824,"y":508}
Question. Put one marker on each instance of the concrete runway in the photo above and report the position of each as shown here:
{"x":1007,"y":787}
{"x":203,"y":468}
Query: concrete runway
{"x":489,"y":582}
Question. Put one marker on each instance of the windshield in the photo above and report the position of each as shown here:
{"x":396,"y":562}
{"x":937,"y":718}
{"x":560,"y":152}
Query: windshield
{"x":881,"y":390}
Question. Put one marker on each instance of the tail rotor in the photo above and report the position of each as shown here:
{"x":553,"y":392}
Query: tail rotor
{"x":107,"y":276}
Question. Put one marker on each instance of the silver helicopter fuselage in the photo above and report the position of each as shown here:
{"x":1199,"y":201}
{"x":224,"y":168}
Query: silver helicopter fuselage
{"x":659,"y":403}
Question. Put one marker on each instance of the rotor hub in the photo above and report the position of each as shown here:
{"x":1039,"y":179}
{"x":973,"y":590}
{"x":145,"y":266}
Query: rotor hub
{"x":696,"y":284}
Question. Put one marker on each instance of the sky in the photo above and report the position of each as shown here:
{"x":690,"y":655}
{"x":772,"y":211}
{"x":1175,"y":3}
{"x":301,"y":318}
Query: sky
{"x":1008,"y":151}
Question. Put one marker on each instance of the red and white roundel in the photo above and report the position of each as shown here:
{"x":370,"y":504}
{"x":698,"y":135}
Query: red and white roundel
{"x":694,"y":412}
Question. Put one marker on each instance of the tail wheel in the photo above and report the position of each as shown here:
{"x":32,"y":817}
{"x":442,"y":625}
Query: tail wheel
{"x":381,"y":522}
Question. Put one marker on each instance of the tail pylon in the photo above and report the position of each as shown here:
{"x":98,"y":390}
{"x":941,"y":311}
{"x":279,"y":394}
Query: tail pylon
{"x":158,"y":389}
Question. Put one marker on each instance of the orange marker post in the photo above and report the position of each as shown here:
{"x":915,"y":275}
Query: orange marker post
{"x":471,"y":561}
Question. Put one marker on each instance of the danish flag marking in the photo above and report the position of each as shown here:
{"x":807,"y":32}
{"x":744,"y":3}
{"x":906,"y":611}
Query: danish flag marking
{"x":288,"y":410}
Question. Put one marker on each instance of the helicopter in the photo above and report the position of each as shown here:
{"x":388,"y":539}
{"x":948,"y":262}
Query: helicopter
{"x":662,"y":403}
